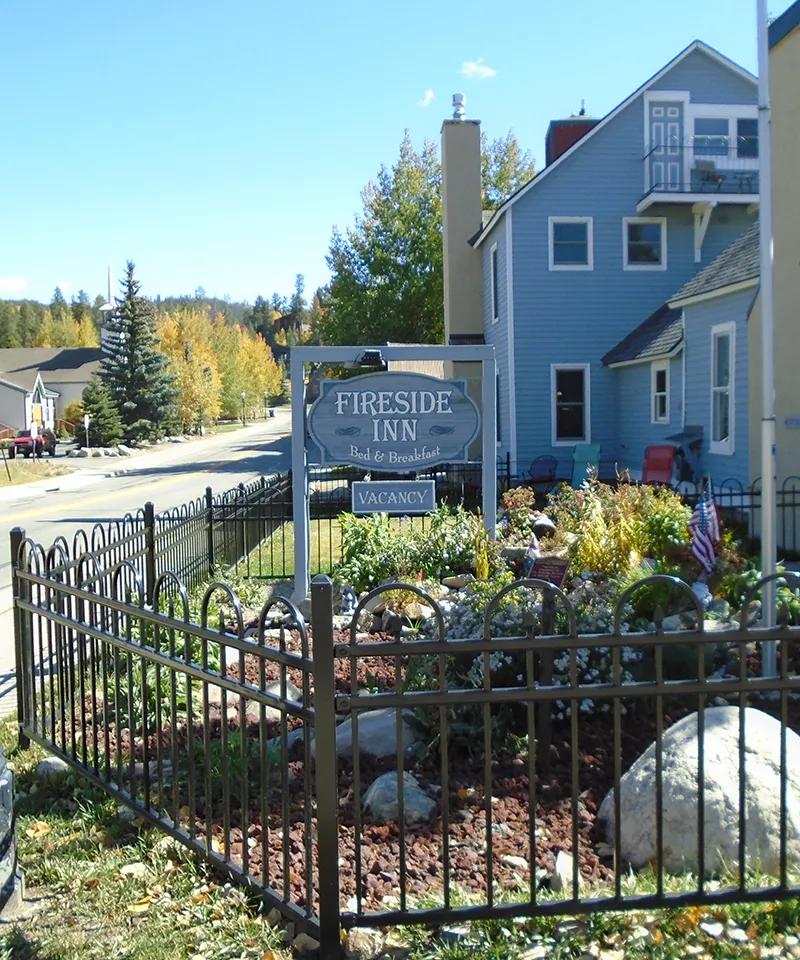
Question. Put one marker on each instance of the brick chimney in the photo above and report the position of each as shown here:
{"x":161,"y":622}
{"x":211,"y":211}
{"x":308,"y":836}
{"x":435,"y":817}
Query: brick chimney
{"x":562,"y":134}
{"x":461,"y":213}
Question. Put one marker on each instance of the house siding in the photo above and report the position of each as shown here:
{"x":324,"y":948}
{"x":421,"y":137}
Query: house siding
{"x":496,"y":334}
{"x":634,"y":403}
{"x":577,"y":316}
{"x":698,"y":321}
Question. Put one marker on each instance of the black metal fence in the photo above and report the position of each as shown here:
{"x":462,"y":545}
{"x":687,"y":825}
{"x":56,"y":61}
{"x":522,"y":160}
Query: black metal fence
{"x":257,"y":745}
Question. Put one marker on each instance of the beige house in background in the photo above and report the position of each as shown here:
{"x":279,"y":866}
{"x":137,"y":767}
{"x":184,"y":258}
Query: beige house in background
{"x":784,"y":66}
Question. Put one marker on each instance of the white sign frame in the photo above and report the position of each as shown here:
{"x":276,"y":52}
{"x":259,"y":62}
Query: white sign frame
{"x":300,"y":356}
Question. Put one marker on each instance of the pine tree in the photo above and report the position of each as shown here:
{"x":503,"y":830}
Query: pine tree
{"x":135,"y":371}
{"x":105,"y":425}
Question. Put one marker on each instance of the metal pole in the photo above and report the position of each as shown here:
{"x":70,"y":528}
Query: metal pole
{"x":326,"y":778}
{"x":768,"y":434}
{"x":489,"y":445}
{"x":150,"y":551}
{"x":210,"y":531}
{"x":19,"y":591}
{"x":299,"y":479}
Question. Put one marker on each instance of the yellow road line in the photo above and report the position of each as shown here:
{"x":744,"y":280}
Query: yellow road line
{"x":122,"y":493}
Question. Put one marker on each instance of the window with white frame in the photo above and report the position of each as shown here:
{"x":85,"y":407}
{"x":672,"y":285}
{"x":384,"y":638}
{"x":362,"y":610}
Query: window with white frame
{"x":571,"y":244}
{"x":659,"y":383}
{"x":726,"y":137}
{"x":644,"y":243}
{"x":571,"y":413}
{"x":722,"y":383}
{"x":495,"y":297}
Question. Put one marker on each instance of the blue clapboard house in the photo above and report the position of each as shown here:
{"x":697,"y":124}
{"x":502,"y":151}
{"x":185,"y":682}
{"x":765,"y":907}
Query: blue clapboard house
{"x":598,"y":285}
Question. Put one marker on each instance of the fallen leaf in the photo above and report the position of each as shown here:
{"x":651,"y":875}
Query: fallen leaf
{"x":138,"y":908}
{"x":199,"y":898}
{"x":69,"y":839}
{"x":37,"y":830}
{"x":91,"y":883}
{"x":269,"y":955}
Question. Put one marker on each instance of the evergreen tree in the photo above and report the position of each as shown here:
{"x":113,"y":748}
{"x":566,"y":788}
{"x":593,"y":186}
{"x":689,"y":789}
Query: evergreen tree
{"x":105,"y":425}
{"x":135,"y":371}
{"x":9,"y":325}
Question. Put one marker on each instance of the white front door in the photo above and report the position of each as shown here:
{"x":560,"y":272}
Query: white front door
{"x":666,"y":144}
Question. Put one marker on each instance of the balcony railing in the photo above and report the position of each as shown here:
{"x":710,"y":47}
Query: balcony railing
{"x":712,"y":165}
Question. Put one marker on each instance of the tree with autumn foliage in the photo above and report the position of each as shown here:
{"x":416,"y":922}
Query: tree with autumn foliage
{"x":246,"y":365}
{"x":185,"y":336}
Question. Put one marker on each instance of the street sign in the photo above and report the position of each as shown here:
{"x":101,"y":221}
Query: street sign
{"x":397,"y":422}
{"x":394,"y":496}
{"x":86,"y":421}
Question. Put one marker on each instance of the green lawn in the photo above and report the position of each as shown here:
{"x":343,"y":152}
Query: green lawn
{"x":274,"y":559}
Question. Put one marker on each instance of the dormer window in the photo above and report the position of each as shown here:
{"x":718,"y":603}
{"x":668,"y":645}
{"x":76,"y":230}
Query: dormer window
{"x":726,"y":137}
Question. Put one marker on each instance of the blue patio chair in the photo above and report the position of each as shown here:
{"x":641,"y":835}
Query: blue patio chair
{"x":586,"y":458}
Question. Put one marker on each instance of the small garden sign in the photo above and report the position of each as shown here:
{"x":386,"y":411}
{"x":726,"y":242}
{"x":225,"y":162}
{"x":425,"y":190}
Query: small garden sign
{"x":394,"y":496}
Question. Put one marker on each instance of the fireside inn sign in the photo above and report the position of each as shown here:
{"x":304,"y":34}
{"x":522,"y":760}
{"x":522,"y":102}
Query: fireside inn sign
{"x":395,"y":422}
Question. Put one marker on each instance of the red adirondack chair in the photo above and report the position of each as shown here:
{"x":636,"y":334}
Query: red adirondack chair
{"x":658,"y":462}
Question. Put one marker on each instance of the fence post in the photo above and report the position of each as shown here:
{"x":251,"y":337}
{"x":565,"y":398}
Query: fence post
{"x":326,"y":767}
{"x":18,"y":591}
{"x":210,"y":532}
{"x":150,"y":551}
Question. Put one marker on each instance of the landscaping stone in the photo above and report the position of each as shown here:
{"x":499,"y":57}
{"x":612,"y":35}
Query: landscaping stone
{"x":303,"y":943}
{"x":516,"y":863}
{"x":721,"y":795}
{"x":52,"y":767}
{"x":124,"y":451}
{"x":719,"y":608}
{"x":271,"y":714}
{"x":391,"y":622}
{"x":418,"y":611}
{"x":133,"y":870}
{"x":514,"y":553}
{"x":84,"y":452}
{"x":457,"y":582}
{"x":382,"y":800}
{"x":364,"y":943}
{"x":670,"y":624}
{"x":73,"y":453}
{"x":377,"y":734}
{"x":561,"y":881}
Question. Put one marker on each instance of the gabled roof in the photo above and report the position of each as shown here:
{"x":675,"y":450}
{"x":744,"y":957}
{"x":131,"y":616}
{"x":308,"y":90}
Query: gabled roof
{"x":696,"y":45}
{"x":21,"y":365}
{"x":660,"y":335}
{"x":739,"y":264}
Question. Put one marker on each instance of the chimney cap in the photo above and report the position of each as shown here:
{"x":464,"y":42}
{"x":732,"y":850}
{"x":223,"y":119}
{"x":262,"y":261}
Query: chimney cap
{"x":459,"y":100}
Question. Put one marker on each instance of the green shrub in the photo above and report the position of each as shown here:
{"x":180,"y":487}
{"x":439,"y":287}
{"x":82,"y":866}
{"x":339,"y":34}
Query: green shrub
{"x":376,"y":550}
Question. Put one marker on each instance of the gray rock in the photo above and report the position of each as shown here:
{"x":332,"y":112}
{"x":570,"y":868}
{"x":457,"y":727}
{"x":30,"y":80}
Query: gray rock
{"x":391,"y":622}
{"x":457,"y":582}
{"x":364,"y":943}
{"x":253,"y":707}
{"x":342,"y":621}
{"x":124,"y":451}
{"x":673,"y":623}
{"x":382,"y":800}
{"x":291,"y":738}
{"x":418,"y":611}
{"x":84,"y":452}
{"x":303,"y":604}
{"x":52,"y":767}
{"x":111,"y":453}
{"x":721,"y":795}
{"x":376,"y":605}
{"x":561,"y":881}
{"x":135,"y":870}
{"x":377,"y":734}
{"x":516,"y":863}
{"x":543,"y":523}
{"x":97,"y":452}
{"x":514,"y":553}
{"x":73,"y":453}
{"x":719,"y":608}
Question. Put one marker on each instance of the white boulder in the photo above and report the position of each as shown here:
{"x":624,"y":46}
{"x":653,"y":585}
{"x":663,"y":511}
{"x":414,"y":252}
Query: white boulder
{"x":680,"y":762}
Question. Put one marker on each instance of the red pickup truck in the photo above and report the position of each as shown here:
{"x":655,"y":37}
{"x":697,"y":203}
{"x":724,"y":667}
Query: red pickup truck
{"x":24,"y":444}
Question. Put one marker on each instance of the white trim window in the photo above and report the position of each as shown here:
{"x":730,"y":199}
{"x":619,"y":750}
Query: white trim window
{"x":493,"y":284}
{"x":571,"y":411}
{"x":659,"y":390}
{"x":727,"y":134}
{"x":723,"y":354}
{"x":571,"y":243}
{"x":644,"y":243}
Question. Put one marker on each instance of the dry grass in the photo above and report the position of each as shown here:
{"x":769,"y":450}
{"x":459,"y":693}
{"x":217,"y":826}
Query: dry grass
{"x":18,"y":471}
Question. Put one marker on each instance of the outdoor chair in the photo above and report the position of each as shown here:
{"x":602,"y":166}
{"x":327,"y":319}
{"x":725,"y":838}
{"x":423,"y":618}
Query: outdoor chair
{"x":586,"y":458}
{"x":542,"y":475}
{"x":707,"y":172}
{"x":658,"y":464}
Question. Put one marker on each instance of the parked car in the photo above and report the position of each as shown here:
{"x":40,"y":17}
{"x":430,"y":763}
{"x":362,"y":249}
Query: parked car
{"x":23,"y":444}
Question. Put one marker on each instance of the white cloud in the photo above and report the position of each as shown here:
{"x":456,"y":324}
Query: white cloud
{"x":476,"y":70}
{"x":429,"y":95}
{"x":13,"y":284}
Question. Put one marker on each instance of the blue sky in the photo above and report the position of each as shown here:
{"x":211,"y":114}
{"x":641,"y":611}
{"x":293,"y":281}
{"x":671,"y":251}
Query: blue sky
{"x":217,"y":144}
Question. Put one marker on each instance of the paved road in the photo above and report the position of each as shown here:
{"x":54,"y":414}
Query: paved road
{"x":168,"y":475}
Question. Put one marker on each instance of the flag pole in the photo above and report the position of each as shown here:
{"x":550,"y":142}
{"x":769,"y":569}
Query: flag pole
{"x":768,"y":434}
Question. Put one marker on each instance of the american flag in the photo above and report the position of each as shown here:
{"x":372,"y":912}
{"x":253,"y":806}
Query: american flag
{"x":704,"y":527}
